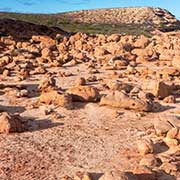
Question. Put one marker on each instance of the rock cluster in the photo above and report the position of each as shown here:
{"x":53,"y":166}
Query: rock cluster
{"x":128,"y":78}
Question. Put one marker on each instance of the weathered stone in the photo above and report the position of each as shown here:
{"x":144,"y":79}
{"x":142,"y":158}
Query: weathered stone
{"x":99,"y":51}
{"x":80,"y":81}
{"x":170,"y":99}
{"x":149,"y":160}
{"x":84,"y":93}
{"x":10,"y":123}
{"x":22,"y":93}
{"x":145,"y":147}
{"x":162,"y":127}
{"x":46,"y":41}
{"x":171,"y":143}
{"x":46,"y":53}
{"x":142,"y":42}
{"x":173,"y":133}
{"x":82,"y":176}
{"x":47,"y":83}
{"x":56,"y":98}
{"x":161,"y":90}
{"x":118,"y":175}
{"x":169,"y":168}
{"x":113,"y":38}
{"x":121,"y":100}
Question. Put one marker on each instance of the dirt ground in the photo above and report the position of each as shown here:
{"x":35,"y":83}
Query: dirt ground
{"x":87,"y":138}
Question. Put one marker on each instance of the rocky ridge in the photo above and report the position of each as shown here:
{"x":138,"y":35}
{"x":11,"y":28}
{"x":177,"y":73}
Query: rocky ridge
{"x":157,"y":17}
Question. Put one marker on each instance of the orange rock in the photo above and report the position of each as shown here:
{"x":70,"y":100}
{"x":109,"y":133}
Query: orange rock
{"x":170,"y":99}
{"x":80,"y":81}
{"x":46,"y":41}
{"x":10,"y":123}
{"x":176,"y":61}
{"x":56,"y":98}
{"x":118,"y":175}
{"x":142,"y":42}
{"x":121,"y":100}
{"x":145,"y":147}
{"x":46,"y":53}
{"x":99,"y":51}
{"x":84,"y":93}
{"x":47,"y":84}
{"x":161,"y":90}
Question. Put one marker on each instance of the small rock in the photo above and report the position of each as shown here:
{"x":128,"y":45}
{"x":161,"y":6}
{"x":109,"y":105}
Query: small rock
{"x":173,"y":133}
{"x":47,"y":83}
{"x":170,"y":99}
{"x":145,"y":147}
{"x":10,"y":123}
{"x":149,"y":160}
{"x":169,"y":168}
{"x":82,"y":176}
{"x":161,"y":90}
{"x":80,"y":81}
{"x":162,"y":127}
{"x":6,"y":73}
{"x":118,"y":175}
{"x":171,"y":143}
{"x":22,"y":93}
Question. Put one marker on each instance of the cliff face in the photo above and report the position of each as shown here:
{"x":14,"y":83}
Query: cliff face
{"x":138,"y":15}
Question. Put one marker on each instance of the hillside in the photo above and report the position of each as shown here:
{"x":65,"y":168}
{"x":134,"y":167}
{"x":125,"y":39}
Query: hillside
{"x":135,"y":21}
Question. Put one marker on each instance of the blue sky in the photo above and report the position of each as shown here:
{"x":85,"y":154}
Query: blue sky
{"x":54,"y":6}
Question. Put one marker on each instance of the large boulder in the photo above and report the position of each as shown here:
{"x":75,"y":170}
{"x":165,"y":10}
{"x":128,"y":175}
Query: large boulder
{"x":84,"y":93}
{"x":56,"y":98}
{"x":121,"y":100}
{"x":46,"y":41}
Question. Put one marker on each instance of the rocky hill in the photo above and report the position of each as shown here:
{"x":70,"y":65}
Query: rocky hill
{"x":136,"y":15}
{"x":136,"y":21}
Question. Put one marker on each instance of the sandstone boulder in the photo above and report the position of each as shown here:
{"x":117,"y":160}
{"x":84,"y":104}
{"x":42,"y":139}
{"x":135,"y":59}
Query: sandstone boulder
{"x":46,"y":41}
{"x":162,"y":127}
{"x":161,"y":90}
{"x":84,"y":93}
{"x":56,"y":98}
{"x":121,"y":100}
{"x":10,"y":123}
{"x":99,"y":51}
{"x":145,"y":147}
{"x":149,"y":160}
{"x":113,"y":38}
{"x":46,"y":53}
{"x":142,"y":42}
{"x":47,"y":83}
